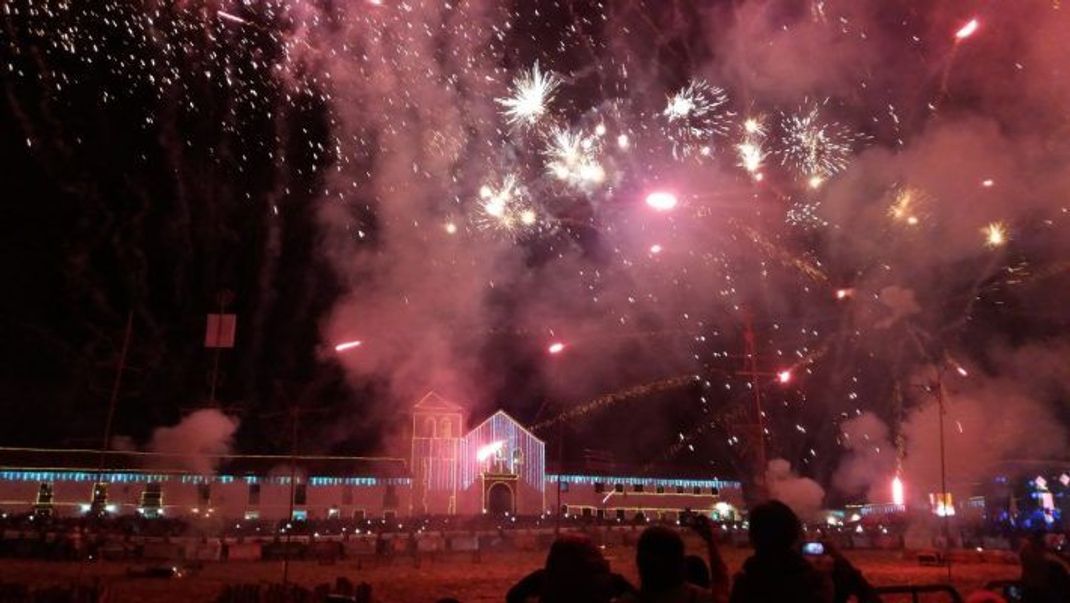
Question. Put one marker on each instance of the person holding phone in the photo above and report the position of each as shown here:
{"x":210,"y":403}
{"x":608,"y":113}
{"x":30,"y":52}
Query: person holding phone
{"x":778,"y":570}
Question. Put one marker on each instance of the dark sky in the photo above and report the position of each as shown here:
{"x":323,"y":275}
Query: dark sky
{"x":135,"y":182}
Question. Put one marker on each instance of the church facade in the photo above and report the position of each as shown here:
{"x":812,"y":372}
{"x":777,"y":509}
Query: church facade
{"x":496,"y":467}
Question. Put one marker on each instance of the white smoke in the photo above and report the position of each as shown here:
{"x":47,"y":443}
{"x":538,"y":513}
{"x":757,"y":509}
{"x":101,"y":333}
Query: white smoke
{"x":198,"y":440}
{"x":869,"y":463}
{"x":802,"y":494}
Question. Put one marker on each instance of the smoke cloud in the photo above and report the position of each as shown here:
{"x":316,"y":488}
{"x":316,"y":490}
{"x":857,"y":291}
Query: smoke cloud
{"x":870,"y":459}
{"x":804,"y":495}
{"x":1005,"y":415}
{"x":197,"y":440}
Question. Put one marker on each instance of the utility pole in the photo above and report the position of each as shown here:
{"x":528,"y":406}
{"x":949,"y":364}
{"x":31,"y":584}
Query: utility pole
{"x":560,"y":474}
{"x":751,"y":353}
{"x":944,"y":494}
{"x":113,"y":399}
{"x":295,"y":412}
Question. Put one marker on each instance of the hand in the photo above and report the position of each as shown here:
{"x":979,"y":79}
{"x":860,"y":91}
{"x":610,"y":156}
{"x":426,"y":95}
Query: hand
{"x":703,"y":527}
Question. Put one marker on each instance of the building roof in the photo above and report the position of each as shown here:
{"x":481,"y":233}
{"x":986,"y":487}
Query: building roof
{"x":506,"y":416}
{"x":240,"y":464}
{"x":632,"y":472}
{"x":432,"y":402}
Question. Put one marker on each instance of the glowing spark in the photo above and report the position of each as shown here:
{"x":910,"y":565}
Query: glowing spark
{"x":573,"y":158}
{"x":489,"y":450}
{"x":530,"y":94}
{"x":898,"y":495}
{"x":231,"y":17}
{"x":623,"y":142}
{"x":904,"y":208}
{"x":995,"y":234}
{"x":349,"y":345}
{"x":962,"y":371}
{"x":506,"y":207}
{"x":451,"y":228}
{"x":753,"y":125}
{"x":751,"y":155}
{"x":693,"y":116}
{"x":784,"y":377}
{"x":844,"y":293}
{"x":815,"y":182}
{"x":968,"y":29}
{"x":556,"y":347}
{"x":655,"y":249}
{"x":989,"y":183}
{"x":816,"y":149}
{"x":661,"y":201}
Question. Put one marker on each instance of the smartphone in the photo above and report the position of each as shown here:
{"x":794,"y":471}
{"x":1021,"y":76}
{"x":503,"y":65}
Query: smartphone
{"x":813,"y":548}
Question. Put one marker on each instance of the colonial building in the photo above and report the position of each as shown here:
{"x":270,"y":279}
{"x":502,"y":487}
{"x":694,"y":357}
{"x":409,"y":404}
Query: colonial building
{"x":497,"y":467}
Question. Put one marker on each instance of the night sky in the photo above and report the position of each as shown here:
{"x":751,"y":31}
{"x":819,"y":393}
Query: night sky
{"x":325,"y":163}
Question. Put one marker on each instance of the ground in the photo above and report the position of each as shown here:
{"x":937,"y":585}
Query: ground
{"x":458,"y":576}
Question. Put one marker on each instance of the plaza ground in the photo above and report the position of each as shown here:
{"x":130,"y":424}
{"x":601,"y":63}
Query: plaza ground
{"x":458,"y":575}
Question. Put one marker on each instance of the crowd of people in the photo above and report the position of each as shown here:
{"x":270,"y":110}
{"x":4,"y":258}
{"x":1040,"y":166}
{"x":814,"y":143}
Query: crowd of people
{"x":779,"y":570}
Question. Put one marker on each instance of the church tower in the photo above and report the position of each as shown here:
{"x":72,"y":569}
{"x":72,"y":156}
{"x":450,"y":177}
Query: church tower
{"x":436,"y":444}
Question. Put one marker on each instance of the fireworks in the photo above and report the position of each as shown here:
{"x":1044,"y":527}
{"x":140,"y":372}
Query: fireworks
{"x":489,"y":450}
{"x":784,"y":376}
{"x":531,"y":92}
{"x":967,"y":30}
{"x":898,"y":495}
{"x":661,"y":201}
{"x":693,"y":116}
{"x":905,"y":207}
{"x":556,"y":347}
{"x":572,"y":157}
{"x":506,"y":207}
{"x":349,"y":345}
{"x":815,"y":149}
{"x":995,"y":234}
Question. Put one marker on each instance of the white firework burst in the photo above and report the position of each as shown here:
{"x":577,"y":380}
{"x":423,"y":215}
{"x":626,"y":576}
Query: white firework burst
{"x":693,"y":116}
{"x":507,"y":208}
{"x":815,"y":148}
{"x":573,"y":158}
{"x":531,"y":93}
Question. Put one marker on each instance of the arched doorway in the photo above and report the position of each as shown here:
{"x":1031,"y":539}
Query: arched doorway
{"x":499,"y":499}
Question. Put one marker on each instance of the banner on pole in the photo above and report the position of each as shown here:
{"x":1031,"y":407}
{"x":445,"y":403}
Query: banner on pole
{"x":220,"y":330}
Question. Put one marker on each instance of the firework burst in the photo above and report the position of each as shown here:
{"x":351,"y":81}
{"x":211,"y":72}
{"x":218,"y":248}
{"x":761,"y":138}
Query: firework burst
{"x":995,"y":234}
{"x":693,"y":116}
{"x":507,"y":208}
{"x":815,"y":148}
{"x":573,"y":158}
{"x":531,"y":94}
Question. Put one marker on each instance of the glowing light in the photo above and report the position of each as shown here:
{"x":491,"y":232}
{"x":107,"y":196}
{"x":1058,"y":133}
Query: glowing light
{"x":962,"y":371}
{"x":968,"y":29}
{"x":572,"y":157}
{"x":231,"y":17}
{"x":751,"y":155}
{"x":349,"y":345}
{"x":898,"y":495}
{"x":530,"y":94}
{"x":904,"y":208}
{"x":844,"y":293}
{"x":661,"y":201}
{"x":489,"y":450}
{"x":693,"y":116}
{"x":988,"y":183}
{"x":995,"y":234}
{"x":506,"y":207}
{"x":655,"y":249}
{"x":556,"y":347}
{"x":815,"y":182}
{"x":784,"y":376}
{"x":753,"y":125}
{"x":623,"y":142}
{"x":451,"y":228}
{"x":816,"y":148}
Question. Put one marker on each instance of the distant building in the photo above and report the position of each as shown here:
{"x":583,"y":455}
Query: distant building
{"x":497,"y":467}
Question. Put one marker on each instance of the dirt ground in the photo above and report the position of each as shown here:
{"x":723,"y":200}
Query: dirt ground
{"x":457,"y":575}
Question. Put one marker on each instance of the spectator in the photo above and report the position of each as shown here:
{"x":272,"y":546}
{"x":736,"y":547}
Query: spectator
{"x":847,"y":580}
{"x":663,"y":569}
{"x":777,"y":571}
{"x":1044,"y":576}
{"x":696,"y":571}
{"x":575,"y":571}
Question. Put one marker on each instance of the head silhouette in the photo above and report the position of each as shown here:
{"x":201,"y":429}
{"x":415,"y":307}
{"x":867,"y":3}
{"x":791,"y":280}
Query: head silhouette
{"x":774,"y":528}
{"x":660,"y":559}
